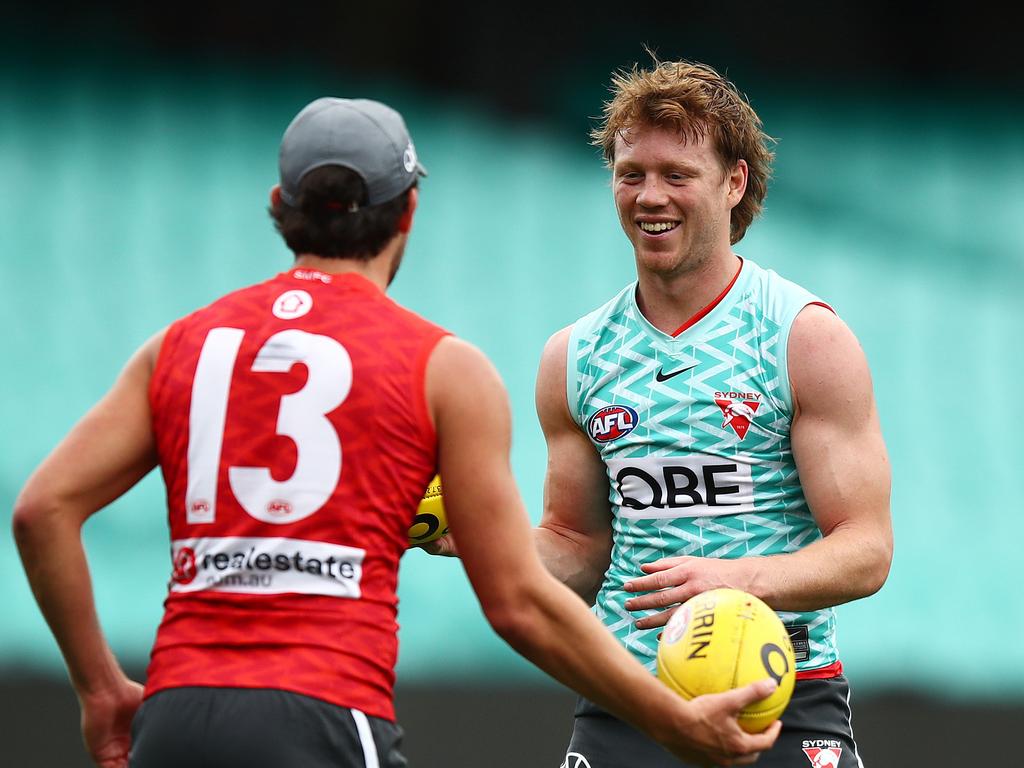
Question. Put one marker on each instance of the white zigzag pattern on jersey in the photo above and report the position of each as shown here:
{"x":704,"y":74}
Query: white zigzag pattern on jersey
{"x":693,"y":544}
{"x":623,"y":626}
{"x":613,"y":372}
{"x":666,"y":422}
{"x":643,"y":369}
{"x":780,"y":531}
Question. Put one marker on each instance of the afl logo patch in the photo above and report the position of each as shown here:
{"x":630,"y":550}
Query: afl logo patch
{"x":612,"y":422}
{"x":676,"y":627}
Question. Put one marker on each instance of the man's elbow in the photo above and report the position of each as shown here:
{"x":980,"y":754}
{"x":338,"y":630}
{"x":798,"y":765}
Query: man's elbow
{"x":577,"y":560}
{"x":516,"y":616}
{"x":24,"y":520}
{"x":880,"y":561}
{"x":511,"y":623}
{"x":33,"y":513}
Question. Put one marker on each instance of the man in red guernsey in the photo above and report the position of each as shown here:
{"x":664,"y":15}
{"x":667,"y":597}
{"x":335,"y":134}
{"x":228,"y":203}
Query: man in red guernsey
{"x":297,"y":423}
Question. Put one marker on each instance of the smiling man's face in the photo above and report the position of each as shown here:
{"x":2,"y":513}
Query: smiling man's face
{"x":673,"y":197}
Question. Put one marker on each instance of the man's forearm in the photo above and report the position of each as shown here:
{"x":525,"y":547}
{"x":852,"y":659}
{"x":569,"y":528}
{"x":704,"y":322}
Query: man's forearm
{"x":55,"y":564}
{"x":546,"y":618}
{"x":850,"y":563}
{"x":846,"y":565}
{"x":574,"y":561}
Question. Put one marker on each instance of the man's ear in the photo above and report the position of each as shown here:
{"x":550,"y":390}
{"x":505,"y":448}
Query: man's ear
{"x":405,"y":223}
{"x":275,"y":196}
{"x":737,"y":180}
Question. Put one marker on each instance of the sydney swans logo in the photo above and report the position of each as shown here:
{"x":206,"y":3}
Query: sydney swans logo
{"x":575,"y":760}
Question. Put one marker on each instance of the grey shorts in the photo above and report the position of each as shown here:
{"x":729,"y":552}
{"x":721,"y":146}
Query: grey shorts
{"x":816,"y":733}
{"x":258,"y":728}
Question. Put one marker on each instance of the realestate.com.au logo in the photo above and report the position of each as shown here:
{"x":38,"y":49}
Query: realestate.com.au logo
{"x":260,"y":565}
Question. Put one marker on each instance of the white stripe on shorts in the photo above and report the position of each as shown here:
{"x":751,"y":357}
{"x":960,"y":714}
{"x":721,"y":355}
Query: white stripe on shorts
{"x":366,"y":739}
{"x":849,"y":725}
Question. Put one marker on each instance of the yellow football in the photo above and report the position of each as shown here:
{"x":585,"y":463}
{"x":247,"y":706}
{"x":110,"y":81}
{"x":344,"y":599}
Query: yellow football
{"x":431,"y":522}
{"x":723,"y":639}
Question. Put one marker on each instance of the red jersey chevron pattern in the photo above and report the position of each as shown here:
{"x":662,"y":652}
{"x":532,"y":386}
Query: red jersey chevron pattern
{"x":295,"y":443}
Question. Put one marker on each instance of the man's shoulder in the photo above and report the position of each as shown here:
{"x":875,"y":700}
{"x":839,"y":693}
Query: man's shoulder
{"x":231,"y":298}
{"x":775,"y":296}
{"x":769,"y":278}
{"x":415,"y":319}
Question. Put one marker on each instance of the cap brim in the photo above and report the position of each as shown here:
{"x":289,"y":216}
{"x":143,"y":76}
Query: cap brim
{"x":420,"y":170}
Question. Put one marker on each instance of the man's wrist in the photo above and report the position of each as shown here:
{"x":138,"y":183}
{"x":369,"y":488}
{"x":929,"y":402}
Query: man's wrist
{"x":758,"y":578}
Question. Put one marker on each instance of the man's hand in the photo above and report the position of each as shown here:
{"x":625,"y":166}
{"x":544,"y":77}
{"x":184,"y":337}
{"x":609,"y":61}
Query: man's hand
{"x":714,"y":737}
{"x":443,"y":547}
{"x":674,"y":580}
{"x":106,"y":723}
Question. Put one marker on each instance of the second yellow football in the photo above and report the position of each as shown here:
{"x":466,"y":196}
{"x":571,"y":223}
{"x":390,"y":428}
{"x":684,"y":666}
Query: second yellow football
{"x":723,"y":639}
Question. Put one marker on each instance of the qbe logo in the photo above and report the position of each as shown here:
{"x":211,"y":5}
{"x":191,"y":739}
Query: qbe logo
{"x":612,"y":422}
{"x":687,"y":485}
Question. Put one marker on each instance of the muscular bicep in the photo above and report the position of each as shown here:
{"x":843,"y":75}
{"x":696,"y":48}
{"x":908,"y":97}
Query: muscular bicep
{"x":837,"y":439}
{"x":107,"y":452}
{"x":575,"y":532}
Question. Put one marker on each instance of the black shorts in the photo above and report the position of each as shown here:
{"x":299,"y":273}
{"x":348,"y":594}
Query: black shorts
{"x":816,"y":733}
{"x":258,"y":728}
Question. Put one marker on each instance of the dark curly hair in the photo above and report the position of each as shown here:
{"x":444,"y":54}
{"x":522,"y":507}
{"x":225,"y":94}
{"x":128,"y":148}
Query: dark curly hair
{"x":330,"y":217}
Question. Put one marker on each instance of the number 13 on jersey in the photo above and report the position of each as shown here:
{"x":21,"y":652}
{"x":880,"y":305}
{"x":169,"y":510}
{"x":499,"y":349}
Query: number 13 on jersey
{"x":301,"y":416}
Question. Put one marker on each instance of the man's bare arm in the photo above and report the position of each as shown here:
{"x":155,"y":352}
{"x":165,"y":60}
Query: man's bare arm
{"x":103,"y":456}
{"x":574,"y":537}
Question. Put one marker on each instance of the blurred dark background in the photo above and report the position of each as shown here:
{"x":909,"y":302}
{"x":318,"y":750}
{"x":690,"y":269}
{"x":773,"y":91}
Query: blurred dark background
{"x":137,"y":142}
{"x":527,"y":59}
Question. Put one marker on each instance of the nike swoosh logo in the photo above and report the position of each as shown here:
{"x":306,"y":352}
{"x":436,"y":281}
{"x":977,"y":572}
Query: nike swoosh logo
{"x":662,"y":376}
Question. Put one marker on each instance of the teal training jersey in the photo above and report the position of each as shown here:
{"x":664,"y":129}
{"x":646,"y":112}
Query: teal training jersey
{"x":694,"y":431}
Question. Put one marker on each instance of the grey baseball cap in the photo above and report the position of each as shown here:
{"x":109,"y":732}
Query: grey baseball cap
{"x":364,"y":135}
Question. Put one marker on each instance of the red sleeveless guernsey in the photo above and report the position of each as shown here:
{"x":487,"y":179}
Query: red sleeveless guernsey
{"x":294,"y":438}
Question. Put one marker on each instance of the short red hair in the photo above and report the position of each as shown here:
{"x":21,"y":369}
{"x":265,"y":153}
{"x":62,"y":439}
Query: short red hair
{"x":696,"y":101}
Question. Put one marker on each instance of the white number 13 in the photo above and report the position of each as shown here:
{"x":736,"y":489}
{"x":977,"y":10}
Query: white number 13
{"x":301,"y":417}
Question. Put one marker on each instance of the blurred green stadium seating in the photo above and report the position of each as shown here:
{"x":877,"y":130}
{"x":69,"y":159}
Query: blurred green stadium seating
{"x":131,"y":197}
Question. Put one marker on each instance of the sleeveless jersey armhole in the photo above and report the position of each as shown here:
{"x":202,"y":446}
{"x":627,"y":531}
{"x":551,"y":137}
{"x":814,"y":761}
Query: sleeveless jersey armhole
{"x":785,"y":384}
{"x":167,"y":347}
{"x":572,"y":395}
{"x":419,"y":399}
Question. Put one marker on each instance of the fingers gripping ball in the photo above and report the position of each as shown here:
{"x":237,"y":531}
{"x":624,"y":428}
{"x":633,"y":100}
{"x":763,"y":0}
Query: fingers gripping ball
{"x":724,"y":639}
{"x":431,"y":523}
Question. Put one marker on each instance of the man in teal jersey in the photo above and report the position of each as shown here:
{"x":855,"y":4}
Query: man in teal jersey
{"x":713,"y":425}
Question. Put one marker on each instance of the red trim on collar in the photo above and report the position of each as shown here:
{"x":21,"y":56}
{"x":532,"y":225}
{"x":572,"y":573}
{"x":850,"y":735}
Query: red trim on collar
{"x":703,"y":313}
